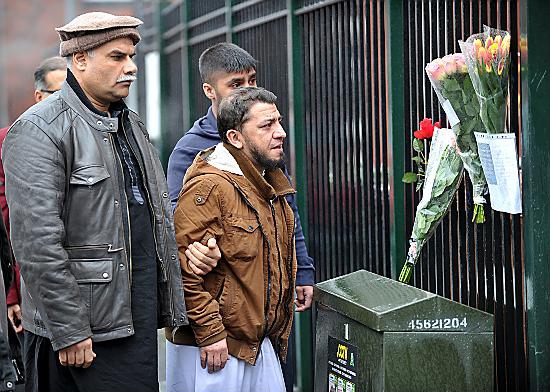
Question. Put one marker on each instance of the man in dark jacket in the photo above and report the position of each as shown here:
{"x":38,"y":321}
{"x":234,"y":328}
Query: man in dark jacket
{"x":91,"y":223}
{"x":225,"y":67}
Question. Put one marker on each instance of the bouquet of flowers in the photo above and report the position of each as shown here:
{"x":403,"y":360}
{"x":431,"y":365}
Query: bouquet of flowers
{"x":488,"y":59}
{"x":456,"y":94}
{"x":442,"y":178}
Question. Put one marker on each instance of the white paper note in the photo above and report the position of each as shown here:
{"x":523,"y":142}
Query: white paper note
{"x":499,"y":160}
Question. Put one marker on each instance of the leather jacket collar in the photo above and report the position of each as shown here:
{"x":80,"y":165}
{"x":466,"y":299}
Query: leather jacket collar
{"x":93,"y":118}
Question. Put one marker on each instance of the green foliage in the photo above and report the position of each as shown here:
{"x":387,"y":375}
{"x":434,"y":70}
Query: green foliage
{"x":417,"y":145}
{"x":409,"y":178}
{"x":420,"y":160}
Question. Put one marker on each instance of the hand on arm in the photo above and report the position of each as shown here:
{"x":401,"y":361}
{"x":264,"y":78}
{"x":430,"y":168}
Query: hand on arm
{"x":202,"y":259}
{"x":14,"y":315}
{"x":304,"y":297}
{"x":78,"y":355}
{"x":215,"y":356}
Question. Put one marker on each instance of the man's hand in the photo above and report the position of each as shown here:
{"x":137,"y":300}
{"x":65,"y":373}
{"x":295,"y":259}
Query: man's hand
{"x":79,"y":354}
{"x":304,"y":296}
{"x":202,"y":259}
{"x":215,"y":355}
{"x":14,"y":314}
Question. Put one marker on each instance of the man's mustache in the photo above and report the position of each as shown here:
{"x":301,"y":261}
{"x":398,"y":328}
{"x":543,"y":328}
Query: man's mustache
{"x":126,"y":78}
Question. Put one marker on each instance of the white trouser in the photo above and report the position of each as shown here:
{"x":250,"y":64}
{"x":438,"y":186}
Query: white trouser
{"x":185,"y":374}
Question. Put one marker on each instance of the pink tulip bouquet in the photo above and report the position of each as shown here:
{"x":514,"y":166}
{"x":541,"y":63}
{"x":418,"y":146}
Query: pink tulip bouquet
{"x":456,"y":94}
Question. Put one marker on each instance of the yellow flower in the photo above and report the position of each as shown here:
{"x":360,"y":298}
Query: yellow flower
{"x":493,"y":51}
{"x":498,"y":39}
{"x":477,"y":45}
{"x":505,"y":47}
{"x":501,"y":66}
{"x":488,"y":42}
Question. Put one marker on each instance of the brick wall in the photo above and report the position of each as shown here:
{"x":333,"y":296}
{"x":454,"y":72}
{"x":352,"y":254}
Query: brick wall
{"x":27,"y":36}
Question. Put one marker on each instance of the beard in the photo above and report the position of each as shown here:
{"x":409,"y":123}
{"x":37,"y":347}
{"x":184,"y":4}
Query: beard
{"x":267,"y":163}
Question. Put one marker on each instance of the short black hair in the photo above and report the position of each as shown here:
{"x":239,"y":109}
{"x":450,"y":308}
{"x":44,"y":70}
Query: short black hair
{"x":224,"y":57}
{"x":234,"y":109}
{"x":45,"y":67}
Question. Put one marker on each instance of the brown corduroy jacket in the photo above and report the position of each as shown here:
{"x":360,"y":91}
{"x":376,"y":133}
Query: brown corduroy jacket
{"x":249,"y":295}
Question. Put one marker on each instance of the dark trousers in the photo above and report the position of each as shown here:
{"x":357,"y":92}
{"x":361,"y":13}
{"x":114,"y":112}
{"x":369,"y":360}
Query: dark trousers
{"x":44,"y":373}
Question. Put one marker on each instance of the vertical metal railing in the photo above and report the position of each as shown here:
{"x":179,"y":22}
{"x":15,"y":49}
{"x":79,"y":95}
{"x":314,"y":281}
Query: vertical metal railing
{"x":479,"y":265}
{"x":345,"y":93}
{"x":353,"y":150}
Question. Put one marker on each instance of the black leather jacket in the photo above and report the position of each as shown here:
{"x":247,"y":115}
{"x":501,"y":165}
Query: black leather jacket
{"x":7,"y":374}
{"x":68,"y":216}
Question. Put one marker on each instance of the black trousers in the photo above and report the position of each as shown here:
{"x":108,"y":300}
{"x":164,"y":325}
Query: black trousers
{"x":44,"y":373}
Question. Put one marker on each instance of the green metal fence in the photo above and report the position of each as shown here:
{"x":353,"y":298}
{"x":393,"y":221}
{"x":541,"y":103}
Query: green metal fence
{"x":350,"y":79}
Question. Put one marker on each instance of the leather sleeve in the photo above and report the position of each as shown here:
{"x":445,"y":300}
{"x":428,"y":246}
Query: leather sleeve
{"x":197,"y":218}
{"x":35,"y":189}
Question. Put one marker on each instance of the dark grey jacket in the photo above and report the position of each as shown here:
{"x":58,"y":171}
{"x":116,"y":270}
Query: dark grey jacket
{"x":69,"y":216}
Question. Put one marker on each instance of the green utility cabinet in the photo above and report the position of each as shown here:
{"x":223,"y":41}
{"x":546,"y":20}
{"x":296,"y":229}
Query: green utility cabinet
{"x":375,"y":334}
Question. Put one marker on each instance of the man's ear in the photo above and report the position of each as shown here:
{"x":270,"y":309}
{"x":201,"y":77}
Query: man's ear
{"x":235,"y":138}
{"x":209,"y":91}
{"x":38,"y":96}
{"x":80,"y":60}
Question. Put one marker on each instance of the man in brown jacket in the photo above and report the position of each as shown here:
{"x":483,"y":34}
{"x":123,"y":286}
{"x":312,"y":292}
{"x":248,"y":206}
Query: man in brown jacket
{"x":235,"y":192}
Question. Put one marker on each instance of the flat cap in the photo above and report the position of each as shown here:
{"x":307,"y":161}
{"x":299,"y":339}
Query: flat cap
{"x":90,"y":30}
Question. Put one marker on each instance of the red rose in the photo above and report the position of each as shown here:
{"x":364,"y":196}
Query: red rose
{"x":426,"y":130}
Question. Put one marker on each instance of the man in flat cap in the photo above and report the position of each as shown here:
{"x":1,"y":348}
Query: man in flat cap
{"x":91,"y":223}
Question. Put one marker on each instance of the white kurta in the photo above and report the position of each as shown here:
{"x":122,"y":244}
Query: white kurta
{"x":185,"y":374}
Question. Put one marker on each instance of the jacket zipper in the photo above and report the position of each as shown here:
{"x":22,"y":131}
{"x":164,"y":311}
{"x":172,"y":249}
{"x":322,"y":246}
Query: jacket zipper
{"x":145,"y":187}
{"x":117,"y":158}
{"x":278,"y":263}
{"x":292,"y":282}
{"x":220,"y":291}
{"x":108,"y":246}
{"x":170,"y":293}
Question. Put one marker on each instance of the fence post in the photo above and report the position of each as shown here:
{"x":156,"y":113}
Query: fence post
{"x":396,"y":146}
{"x":162,"y":81}
{"x":186,"y":68}
{"x":304,"y":338}
{"x":165,"y":148}
{"x":535,"y":95}
{"x":229,"y":21}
